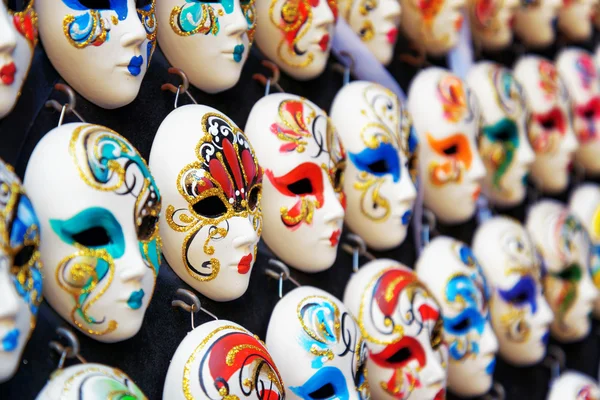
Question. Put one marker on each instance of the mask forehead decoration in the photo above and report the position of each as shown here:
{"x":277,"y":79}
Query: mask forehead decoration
{"x":212,"y":185}
{"x":221,"y":359}
{"x":401,"y":324}
{"x":575,"y":385}
{"x":20,"y":270}
{"x":304,"y":163}
{"x":534,"y":22}
{"x":102,"y":248}
{"x":575,"y":19}
{"x":327,"y":352}
{"x":491,"y":22}
{"x":380,"y":181}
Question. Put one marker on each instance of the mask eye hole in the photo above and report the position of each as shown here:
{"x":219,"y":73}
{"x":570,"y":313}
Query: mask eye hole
{"x":504,"y":135}
{"x":146,"y":228}
{"x":548,"y":124}
{"x":142,"y":3}
{"x":462,"y":325}
{"x":401,"y":356}
{"x":589,"y":114}
{"x":253,"y":197}
{"x":451,"y":150}
{"x":338,"y":179}
{"x":95,"y":4}
{"x":95,"y":236}
{"x":23,"y":256}
{"x":379,"y":167}
{"x":572,"y":274}
{"x":520,"y":298}
{"x":326,"y":391}
{"x":210,"y":207}
{"x":301,"y":187}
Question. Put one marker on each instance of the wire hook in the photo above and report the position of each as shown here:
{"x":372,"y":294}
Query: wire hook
{"x":429,"y":227}
{"x":192,"y":307}
{"x":68,"y":107}
{"x":356,"y":249}
{"x":182,"y":88}
{"x":283,"y":274}
{"x":347,"y":68}
{"x":69,"y":351}
{"x":555,"y":360}
{"x":272,"y":81}
{"x":496,"y":392}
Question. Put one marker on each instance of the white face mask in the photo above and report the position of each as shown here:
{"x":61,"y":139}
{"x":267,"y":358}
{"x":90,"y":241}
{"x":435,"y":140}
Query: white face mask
{"x":578,"y":72}
{"x":376,"y":22}
{"x":565,"y":248}
{"x":317,"y":346}
{"x":446,"y":121}
{"x":296,"y":34}
{"x":100,"y":247}
{"x":20,"y":271}
{"x":221,"y":359}
{"x":520,"y":314}
{"x":435,"y":25}
{"x":574,"y":385}
{"x":380,"y":177}
{"x":504,"y":145}
{"x":585,"y":205}
{"x":534,"y":22}
{"x":462,"y":291}
{"x":216,"y":35}
{"x":303,"y":161}
{"x":492,"y":21}
{"x":18,"y":37}
{"x":550,"y":131}
{"x":211,"y":186}
{"x":94,"y":381}
{"x":575,"y":19}
{"x":402,"y":326}
{"x":102,"y":53}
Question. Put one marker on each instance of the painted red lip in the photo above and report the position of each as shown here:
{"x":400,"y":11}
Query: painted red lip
{"x":244,"y":264}
{"x":7,"y":73}
{"x":511,"y":21}
{"x":459,"y":23}
{"x":335,"y":238}
{"x":392,"y":35}
{"x":441,"y":395}
{"x":324,"y":42}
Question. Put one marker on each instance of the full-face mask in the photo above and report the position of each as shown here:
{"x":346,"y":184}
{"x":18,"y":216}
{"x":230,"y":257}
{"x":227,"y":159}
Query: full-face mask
{"x":100,"y":245}
{"x":20,"y":271}
{"x":574,"y":385}
{"x":220,"y":359}
{"x":504,"y":145}
{"x":303,"y":160}
{"x":519,"y":312}
{"x":585,"y":205}
{"x":402,"y":325}
{"x":381,"y":174}
{"x":492,"y":22}
{"x":296,"y":34}
{"x":216,"y":35}
{"x":211,"y":185}
{"x":450,"y":270}
{"x":550,"y":131}
{"x":434,"y":24}
{"x":578,"y":72}
{"x":535,"y":22}
{"x":102,"y":53}
{"x":446,"y":122}
{"x":575,"y":19}
{"x":317,"y":346}
{"x":375,"y":22}
{"x":18,"y":38}
{"x":94,"y":381}
{"x":565,"y":248}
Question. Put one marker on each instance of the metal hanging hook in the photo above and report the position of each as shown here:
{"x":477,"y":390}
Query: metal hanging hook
{"x":555,"y":360}
{"x":71,"y":350}
{"x":579,"y":172}
{"x":68,"y":107}
{"x":193,"y":305}
{"x":496,"y":392}
{"x":272,"y":81}
{"x":429,"y":226}
{"x":182,"y":88}
{"x":356,"y":249}
{"x":283,"y":274}
{"x":347,"y":68}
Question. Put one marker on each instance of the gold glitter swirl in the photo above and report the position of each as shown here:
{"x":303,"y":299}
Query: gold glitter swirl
{"x":319,"y":331}
{"x":93,"y":36}
{"x":208,"y":13}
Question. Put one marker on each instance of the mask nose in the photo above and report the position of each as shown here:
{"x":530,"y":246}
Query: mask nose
{"x":432,"y":373}
{"x":323,"y":16}
{"x":8,"y":39}
{"x":132,"y":265}
{"x":477,"y":168}
{"x":246,"y":238}
{"x":334,"y":214}
{"x":489,"y":342}
{"x":9,"y":306}
{"x":134,"y":32}
{"x":238,"y":24}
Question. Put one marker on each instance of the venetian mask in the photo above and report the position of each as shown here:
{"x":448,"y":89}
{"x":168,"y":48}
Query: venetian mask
{"x":102,"y":49}
{"x":380,"y":178}
{"x":211,"y":185}
{"x":296,"y":34}
{"x":550,"y":132}
{"x":18,"y":37}
{"x":575,"y":19}
{"x":402,"y":326}
{"x":565,"y":248}
{"x":95,"y":381}
{"x":221,"y":359}
{"x":20,"y":271}
{"x":535,"y":22}
{"x":492,"y":22}
{"x":318,"y":347}
{"x":578,"y":72}
{"x":303,"y":161}
{"x":504,"y":145}
{"x":100,"y":247}
{"x":574,"y":385}
{"x":446,"y":121}
{"x":461,"y":290}
{"x":216,"y":35}
{"x":585,"y":205}
{"x":519,"y":312}
{"x":376,"y":22}
{"x":434,"y":24}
